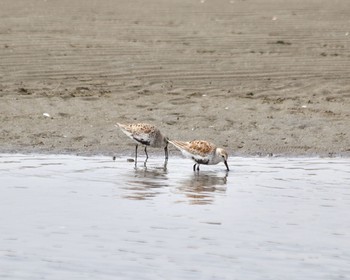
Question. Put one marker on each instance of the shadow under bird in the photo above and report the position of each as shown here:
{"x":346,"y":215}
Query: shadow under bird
{"x":202,"y":152}
{"x":146,"y":135}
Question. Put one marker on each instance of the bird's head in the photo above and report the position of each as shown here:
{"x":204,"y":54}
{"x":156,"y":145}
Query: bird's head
{"x":223,"y":156}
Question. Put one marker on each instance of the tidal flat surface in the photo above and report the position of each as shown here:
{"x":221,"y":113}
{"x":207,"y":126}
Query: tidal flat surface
{"x":69,"y":217}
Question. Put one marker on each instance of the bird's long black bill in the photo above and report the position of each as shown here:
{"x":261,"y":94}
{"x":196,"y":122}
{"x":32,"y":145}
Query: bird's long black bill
{"x":228,"y":169}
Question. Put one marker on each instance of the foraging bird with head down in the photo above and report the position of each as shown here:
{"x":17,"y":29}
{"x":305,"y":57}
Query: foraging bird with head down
{"x":145,"y":134}
{"x":202,"y":152}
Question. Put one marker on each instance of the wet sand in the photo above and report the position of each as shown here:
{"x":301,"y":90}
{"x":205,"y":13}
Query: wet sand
{"x":256,"y":77}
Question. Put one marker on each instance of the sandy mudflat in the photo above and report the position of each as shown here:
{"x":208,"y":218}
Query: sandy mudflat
{"x":254,"y":76}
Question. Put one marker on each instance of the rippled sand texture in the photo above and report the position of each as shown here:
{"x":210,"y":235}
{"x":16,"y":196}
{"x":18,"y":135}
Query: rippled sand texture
{"x":254,"y":76}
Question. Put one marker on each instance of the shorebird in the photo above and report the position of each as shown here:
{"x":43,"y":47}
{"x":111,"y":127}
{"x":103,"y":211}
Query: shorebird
{"x":145,"y":134}
{"x":202,"y":152}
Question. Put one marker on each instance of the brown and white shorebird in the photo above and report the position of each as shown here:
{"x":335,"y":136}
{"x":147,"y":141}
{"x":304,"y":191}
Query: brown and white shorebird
{"x":202,"y":152}
{"x":145,"y":134}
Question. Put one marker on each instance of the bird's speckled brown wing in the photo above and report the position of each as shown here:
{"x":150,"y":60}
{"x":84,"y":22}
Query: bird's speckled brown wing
{"x":197,"y":147}
{"x":139,"y":128}
{"x":143,"y":133}
{"x":202,"y":147}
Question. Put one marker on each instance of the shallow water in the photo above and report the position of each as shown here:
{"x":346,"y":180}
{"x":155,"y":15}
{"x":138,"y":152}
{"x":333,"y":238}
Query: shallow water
{"x":68,"y":217}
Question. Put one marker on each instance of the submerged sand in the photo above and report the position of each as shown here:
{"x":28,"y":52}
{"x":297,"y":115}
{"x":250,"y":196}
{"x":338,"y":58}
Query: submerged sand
{"x":256,"y":77}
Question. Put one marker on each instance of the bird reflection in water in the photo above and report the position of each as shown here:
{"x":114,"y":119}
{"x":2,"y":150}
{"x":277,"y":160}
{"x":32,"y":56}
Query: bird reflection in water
{"x":146,"y":183}
{"x":202,"y":187}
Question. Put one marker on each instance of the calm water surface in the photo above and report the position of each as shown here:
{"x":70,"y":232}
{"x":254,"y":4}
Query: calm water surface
{"x":67,"y":217}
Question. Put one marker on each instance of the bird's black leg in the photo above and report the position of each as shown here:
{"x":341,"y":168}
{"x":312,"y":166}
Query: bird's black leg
{"x":194,"y":167}
{"x":165,"y":166}
{"x":136,"y":152}
{"x":146,"y":152}
{"x":197,"y":167}
{"x":166,"y":152}
{"x":166,"y":157}
{"x":144,"y":164}
{"x":136,"y":156}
